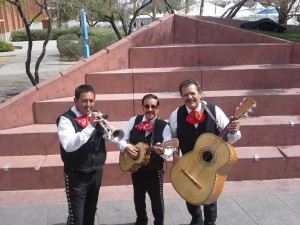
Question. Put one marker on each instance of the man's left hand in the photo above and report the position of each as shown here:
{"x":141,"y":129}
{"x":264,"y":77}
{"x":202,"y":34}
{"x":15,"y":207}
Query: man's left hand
{"x":234,"y":126}
{"x":158,"y":149}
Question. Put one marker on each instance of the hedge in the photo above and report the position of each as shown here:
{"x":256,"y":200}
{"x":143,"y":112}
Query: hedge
{"x":6,"y":47}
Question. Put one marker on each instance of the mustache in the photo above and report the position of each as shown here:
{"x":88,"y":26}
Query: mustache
{"x":150,"y":112}
{"x":190,"y":100}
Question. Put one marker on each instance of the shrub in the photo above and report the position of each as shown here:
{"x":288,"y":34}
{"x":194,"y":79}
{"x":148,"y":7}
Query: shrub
{"x":6,"y":47}
{"x":40,"y":34}
{"x":96,"y":44}
{"x":57,"y":32}
{"x":19,"y":35}
{"x":99,"y":38}
{"x":69,"y":45}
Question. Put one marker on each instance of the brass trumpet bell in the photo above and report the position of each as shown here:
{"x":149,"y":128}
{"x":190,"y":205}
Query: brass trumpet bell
{"x":114,"y":135}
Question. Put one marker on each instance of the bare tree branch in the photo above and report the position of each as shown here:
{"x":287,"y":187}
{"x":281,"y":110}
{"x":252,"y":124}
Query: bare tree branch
{"x":34,"y":79}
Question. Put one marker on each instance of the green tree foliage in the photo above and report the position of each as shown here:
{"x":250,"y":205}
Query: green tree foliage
{"x":112,"y":11}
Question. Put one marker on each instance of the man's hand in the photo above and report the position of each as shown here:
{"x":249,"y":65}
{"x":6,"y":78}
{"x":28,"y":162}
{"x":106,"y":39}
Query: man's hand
{"x":234,"y":126}
{"x":95,"y":118}
{"x":158,"y":149}
{"x":131,"y":151}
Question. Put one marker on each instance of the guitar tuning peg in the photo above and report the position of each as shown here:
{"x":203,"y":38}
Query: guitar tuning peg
{"x":250,"y":110}
{"x":254,"y":105}
{"x":246,"y":114}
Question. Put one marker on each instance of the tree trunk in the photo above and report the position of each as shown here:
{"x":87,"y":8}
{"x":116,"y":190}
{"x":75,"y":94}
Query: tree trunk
{"x":201,"y":8}
{"x":154,"y":10}
{"x":43,"y":6}
{"x":186,"y":6}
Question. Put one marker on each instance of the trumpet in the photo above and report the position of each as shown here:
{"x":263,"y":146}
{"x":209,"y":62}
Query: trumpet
{"x":110,"y":132}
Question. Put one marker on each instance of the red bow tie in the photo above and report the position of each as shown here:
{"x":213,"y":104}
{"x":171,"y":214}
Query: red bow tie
{"x":195,"y":117}
{"x":146,"y":125}
{"x":83,"y":120}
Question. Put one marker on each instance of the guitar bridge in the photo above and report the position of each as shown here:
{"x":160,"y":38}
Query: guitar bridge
{"x":192,"y":178}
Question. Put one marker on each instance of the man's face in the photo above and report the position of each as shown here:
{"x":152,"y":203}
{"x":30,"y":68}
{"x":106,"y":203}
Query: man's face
{"x":85,"y":103}
{"x":150,"y":108}
{"x":191,"y":96}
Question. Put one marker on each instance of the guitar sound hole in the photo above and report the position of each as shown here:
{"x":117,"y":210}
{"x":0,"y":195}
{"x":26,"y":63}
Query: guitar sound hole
{"x":207,"y":156}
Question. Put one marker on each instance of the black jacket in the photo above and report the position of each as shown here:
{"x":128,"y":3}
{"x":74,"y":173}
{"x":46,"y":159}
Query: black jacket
{"x":90,"y":156}
{"x":187,"y":134}
{"x":136,"y":136}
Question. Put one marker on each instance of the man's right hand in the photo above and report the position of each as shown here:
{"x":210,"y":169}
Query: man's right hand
{"x":95,"y":118}
{"x":131,"y":151}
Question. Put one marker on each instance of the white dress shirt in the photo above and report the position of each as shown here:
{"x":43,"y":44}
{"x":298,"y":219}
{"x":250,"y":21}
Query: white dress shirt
{"x":69,"y":139}
{"x":220,"y":117}
{"x":167,"y":135}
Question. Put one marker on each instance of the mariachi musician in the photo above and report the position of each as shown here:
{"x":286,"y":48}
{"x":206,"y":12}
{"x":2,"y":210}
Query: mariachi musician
{"x":151,"y":130}
{"x":187,"y":123}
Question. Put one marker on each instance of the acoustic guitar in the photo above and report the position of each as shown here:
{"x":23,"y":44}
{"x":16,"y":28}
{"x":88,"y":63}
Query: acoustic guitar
{"x":126,"y":162}
{"x":199,"y":175}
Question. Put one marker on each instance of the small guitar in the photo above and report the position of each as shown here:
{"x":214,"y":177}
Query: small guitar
{"x":126,"y":162}
{"x":199,"y":175}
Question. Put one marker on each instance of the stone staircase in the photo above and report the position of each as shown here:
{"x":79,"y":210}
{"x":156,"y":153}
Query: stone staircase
{"x":229,"y":63}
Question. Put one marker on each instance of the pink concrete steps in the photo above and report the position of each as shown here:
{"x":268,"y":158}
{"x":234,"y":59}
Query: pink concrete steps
{"x":122,"y":106}
{"x":256,"y":131}
{"x":46,"y":171}
{"x":236,"y":77}
{"x":270,"y":131}
{"x":189,"y":55}
{"x":107,"y":104}
{"x":42,"y":139}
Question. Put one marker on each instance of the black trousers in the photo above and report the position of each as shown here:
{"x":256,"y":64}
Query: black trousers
{"x":150,"y":181}
{"x":210,"y":214}
{"x":82,"y":191}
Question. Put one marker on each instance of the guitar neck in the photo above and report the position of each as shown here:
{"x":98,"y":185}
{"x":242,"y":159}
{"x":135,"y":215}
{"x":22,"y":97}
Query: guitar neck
{"x":245,"y":106}
{"x":223,"y":134}
{"x":172,"y":143}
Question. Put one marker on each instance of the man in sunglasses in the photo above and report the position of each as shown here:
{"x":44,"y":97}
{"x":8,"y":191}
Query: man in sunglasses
{"x":188,"y":122}
{"x":152,"y":130}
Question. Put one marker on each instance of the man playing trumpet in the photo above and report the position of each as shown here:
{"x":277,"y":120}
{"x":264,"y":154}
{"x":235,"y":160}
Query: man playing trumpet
{"x":83,"y":152}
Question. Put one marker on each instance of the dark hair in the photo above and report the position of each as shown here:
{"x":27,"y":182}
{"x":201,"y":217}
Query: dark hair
{"x":150,"y":96}
{"x":83,"y":89}
{"x":187,"y":83}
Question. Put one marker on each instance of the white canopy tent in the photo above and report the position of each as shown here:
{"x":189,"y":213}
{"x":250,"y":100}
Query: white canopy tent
{"x":208,"y":10}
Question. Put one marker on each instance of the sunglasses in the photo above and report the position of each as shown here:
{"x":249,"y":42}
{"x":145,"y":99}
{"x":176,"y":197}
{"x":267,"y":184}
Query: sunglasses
{"x":146,"y":106}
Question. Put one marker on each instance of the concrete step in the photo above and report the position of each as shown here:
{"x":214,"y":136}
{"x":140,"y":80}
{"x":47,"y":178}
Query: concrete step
{"x":189,"y":55}
{"x":47,"y":111}
{"x":256,"y":131}
{"x":46,"y":171}
{"x":269,"y":131}
{"x":120,"y":107}
{"x":235,"y":77}
{"x":42,"y":139}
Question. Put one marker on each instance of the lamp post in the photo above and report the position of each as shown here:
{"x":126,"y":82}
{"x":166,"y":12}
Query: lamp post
{"x":85,"y":37}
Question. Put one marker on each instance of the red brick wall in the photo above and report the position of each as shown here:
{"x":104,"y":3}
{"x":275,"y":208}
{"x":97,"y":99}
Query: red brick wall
{"x":11,"y":18}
